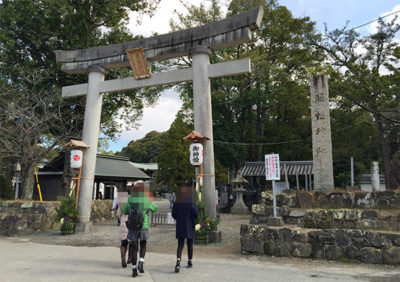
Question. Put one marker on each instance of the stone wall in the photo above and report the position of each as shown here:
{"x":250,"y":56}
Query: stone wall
{"x":335,"y":225}
{"x":25,"y":217}
{"x":369,"y":219}
{"x":331,"y":244}
{"x":334,"y":200}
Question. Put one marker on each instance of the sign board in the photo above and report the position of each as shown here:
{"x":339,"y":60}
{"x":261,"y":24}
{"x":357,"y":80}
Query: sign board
{"x":76,"y":158}
{"x":272,"y":170}
{"x":196,"y":154}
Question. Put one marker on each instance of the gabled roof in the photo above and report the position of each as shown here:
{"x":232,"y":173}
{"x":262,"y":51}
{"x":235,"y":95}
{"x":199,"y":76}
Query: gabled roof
{"x":107,"y":167}
{"x":146,"y":166}
{"x":293,"y":168}
{"x":117,"y":167}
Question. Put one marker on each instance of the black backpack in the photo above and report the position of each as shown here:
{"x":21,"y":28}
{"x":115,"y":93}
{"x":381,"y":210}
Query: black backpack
{"x":135,"y":219}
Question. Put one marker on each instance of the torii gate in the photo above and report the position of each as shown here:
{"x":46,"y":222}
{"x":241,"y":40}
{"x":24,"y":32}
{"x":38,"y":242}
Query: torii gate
{"x":196,"y":42}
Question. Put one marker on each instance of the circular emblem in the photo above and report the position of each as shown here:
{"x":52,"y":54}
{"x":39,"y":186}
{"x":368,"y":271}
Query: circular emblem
{"x":77,"y":158}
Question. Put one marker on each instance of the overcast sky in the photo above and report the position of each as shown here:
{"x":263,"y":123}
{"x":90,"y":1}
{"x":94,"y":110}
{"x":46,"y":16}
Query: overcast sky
{"x":334,"y":13}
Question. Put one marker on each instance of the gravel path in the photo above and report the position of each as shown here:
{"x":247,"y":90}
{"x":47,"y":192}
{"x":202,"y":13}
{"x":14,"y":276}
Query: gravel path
{"x":162,"y":237}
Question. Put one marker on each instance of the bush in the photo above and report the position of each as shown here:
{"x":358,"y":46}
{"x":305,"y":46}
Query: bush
{"x":67,"y":210}
{"x":6,"y":189}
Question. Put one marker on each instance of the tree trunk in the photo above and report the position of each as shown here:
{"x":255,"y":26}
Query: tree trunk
{"x":27,"y":181}
{"x":385,"y":153}
{"x":394,"y":177}
{"x":67,"y":174}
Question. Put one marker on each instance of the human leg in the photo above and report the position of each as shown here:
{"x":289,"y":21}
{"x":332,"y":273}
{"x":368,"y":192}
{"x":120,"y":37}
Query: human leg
{"x":189,"y":243}
{"x":142,"y":254}
{"x":181,"y":243}
{"x":134,"y":250}
{"x":123,"y":248}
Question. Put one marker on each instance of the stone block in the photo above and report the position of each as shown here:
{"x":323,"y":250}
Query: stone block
{"x":321,"y":200}
{"x":300,"y":236}
{"x":338,"y":214}
{"x":313,"y":236}
{"x":270,"y":248}
{"x":292,"y":201}
{"x":391,"y":255}
{"x":305,"y":199}
{"x":244,"y":229}
{"x":258,"y":209}
{"x":310,"y":222}
{"x":370,"y":255}
{"x":326,"y":237}
{"x":395,"y":202}
{"x":281,"y":200}
{"x":318,"y":251}
{"x":369,"y":214}
{"x":393,"y":238}
{"x":362,"y":199}
{"x":300,"y":249}
{"x":351,"y":252}
{"x":340,"y":200}
{"x":283,"y":211}
{"x":348,"y":224}
{"x":297,"y":212}
{"x":376,"y":240}
{"x":286,"y":234}
{"x":283,"y":249}
{"x":333,"y":252}
{"x":367,"y":224}
{"x":252,"y":245}
{"x":342,"y":238}
{"x":215,"y":237}
{"x":275,"y":221}
{"x":353,"y":214}
{"x":382,"y":203}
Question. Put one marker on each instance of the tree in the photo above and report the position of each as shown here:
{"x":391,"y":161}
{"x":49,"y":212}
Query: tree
{"x":30,"y":32}
{"x":27,"y":116}
{"x":270,"y":105}
{"x":369,"y":81}
{"x":145,"y":150}
{"x":174,"y":167}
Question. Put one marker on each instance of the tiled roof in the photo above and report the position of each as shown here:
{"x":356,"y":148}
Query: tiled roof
{"x":293,"y":168}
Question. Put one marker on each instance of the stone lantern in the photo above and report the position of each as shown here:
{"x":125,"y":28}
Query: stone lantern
{"x":239,"y":207}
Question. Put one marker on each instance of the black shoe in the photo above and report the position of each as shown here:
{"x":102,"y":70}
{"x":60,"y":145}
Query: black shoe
{"x":140,"y":267}
{"x":134,"y":272}
{"x":123,"y":262}
{"x":190,"y":264}
{"x":177,"y":266}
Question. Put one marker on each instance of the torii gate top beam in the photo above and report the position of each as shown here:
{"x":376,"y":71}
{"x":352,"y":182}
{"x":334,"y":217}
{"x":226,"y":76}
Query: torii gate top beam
{"x":216,"y":35}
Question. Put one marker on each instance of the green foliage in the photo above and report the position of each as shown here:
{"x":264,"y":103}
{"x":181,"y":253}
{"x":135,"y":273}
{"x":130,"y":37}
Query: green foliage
{"x":365,"y":87}
{"x":174,"y":166}
{"x":6,"y":189}
{"x":270,"y":105}
{"x":67,"y":209}
{"x":145,"y":150}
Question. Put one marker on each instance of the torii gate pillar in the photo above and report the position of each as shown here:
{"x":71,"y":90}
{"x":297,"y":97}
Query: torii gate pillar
{"x":91,"y":128}
{"x":203,"y":121}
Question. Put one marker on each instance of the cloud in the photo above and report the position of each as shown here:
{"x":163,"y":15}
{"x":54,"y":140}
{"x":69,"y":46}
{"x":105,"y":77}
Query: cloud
{"x":373,"y":27}
{"x":159,"y":22}
{"x":157,"y":118}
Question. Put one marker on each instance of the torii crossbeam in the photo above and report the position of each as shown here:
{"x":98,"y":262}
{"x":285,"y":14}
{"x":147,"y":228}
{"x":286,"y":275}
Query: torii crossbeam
{"x":196,"y":42}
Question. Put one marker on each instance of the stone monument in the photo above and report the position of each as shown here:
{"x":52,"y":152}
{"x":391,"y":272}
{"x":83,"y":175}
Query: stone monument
{"x":321,"y":134}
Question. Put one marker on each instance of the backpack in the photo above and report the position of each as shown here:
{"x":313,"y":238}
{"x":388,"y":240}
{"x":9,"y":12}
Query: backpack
{"x":135,"y":219}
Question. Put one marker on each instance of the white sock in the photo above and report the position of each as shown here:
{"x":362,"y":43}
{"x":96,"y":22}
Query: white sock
{"x":141,"y":259}
{"x":134,"y":266}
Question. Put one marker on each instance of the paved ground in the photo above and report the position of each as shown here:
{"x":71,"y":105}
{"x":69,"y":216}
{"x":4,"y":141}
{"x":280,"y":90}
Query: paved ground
{"x":49,"y":256}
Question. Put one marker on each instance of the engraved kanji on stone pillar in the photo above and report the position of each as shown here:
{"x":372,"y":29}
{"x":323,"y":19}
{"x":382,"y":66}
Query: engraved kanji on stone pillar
{"x":321,"y":134}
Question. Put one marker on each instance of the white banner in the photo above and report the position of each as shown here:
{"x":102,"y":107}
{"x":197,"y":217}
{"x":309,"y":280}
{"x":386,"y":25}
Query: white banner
{"x":272,"y":170}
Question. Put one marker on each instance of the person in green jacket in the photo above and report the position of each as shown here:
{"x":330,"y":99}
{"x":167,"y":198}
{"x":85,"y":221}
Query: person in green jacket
{"x":142,"y":199}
